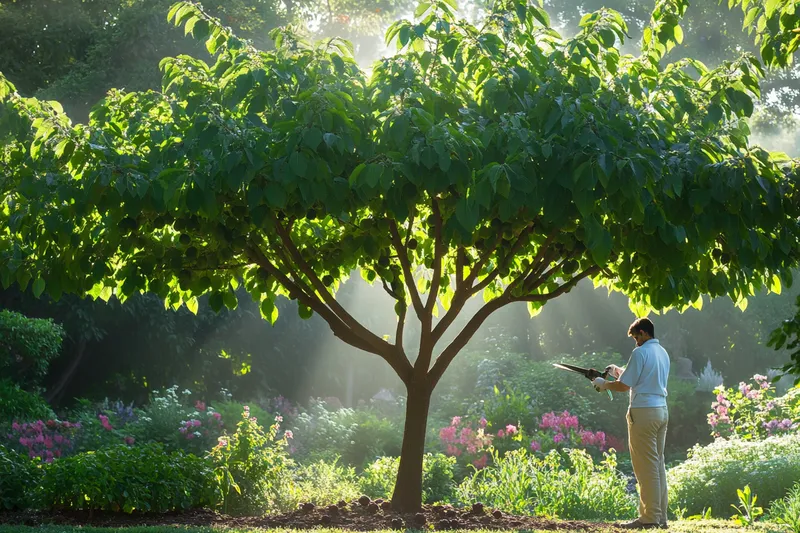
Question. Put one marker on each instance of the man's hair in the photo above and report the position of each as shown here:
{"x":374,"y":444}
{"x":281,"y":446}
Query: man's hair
{"x":643,"y":324}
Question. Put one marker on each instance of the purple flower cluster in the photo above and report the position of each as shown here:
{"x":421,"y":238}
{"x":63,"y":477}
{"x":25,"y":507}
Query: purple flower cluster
{"x":45,"y":440}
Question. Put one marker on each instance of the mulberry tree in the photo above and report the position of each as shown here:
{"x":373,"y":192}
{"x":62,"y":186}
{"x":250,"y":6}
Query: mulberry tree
{"x":497,"y":160}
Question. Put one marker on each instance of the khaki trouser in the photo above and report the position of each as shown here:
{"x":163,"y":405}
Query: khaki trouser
{"x":647,"y":434}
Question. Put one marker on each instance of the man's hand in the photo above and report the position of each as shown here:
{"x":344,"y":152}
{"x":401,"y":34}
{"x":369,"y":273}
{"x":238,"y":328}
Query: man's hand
{"x":600,"y":384}
{"x":614,"y":370}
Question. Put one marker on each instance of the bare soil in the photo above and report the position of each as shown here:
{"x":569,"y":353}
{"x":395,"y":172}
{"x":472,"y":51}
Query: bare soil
{"x":353,"y":516}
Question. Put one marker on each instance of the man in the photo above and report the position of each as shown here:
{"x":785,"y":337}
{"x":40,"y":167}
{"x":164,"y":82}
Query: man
{"x":645,"y":377}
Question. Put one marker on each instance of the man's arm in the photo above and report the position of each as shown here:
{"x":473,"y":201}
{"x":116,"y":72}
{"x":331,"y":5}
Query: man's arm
{"x":617,"y":386}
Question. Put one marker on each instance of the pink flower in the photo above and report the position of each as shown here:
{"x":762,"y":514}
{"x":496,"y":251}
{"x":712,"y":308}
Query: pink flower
{"x":482,"y":422}
{"x":558,"y":437}
{"x":246,"y":410}
{"x":200,"y":406}
{"x":189,"y":436}
{"x":289,"y":434}
{"x":129,"y":441}
{"x":222,"y":441}
{"x":481,"y":463}
{"x":48,"y":443}
{"x":501,"y":434}
{"x":770,"y":405}
{"x":279,"y":419}
{"x":15,"y":426}
{"x":456,"y":421}
{"x":448,"y":434}
{"x":511,"y":429}
{"x":217,"y":416}
{"x":535,"y":446}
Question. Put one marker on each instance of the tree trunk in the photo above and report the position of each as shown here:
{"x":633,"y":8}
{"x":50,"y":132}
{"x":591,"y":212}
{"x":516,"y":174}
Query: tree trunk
{"x":408,"y":488}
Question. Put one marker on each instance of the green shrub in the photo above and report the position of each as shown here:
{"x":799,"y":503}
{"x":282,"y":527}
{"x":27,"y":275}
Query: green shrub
{"x":19,"y":475}
{"x":21,"y":405}
{"x":787,"y":510}
{"x":119,"y":478}
{"x":571,"y":487}
{"x":711,"y":474}
{"x":27,"y":345}
{"x":320,"y":434}
{"x":323,"y":483}
{"x":374,"y":435}
{"x":231,"y":412}
{"x":688,"y":410}
{"x":252,"y":469}
{"x":378,"y":479}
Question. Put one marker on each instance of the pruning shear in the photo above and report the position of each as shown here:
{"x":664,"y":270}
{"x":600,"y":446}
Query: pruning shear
{"x":589,"y":373}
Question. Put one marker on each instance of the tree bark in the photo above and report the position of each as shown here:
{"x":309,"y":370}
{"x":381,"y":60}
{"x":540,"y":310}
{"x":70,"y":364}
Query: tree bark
{"x":408,"y":488}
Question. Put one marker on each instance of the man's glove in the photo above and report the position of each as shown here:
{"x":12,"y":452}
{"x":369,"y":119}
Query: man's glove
{"x":600,"y":384}
{"x":614,"y":370}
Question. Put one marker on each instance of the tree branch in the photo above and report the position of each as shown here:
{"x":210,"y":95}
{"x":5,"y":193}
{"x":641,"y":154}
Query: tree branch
{"x":563,"y":288}
{"x":460,"y":260}
{"x":449,"y":353}
{"x":461,"y":297}
{"x":438,"y":254}
{"x":405,"y":263}
{"x":379,"y":344}
{"x":340,"y":329}
{"x":494,"y":273}
{"x":401,"y":324}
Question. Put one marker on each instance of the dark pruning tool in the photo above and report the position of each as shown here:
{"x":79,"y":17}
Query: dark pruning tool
{"x":589,"y":373}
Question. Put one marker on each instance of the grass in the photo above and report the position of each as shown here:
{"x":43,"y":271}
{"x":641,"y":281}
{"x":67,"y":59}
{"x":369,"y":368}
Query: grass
{"x":685,"y":526}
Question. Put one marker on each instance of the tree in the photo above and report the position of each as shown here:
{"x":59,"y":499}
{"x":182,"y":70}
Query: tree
{"x":498,"y":160}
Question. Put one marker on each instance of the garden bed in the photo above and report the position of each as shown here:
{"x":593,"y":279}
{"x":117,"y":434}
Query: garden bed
{"x":352,"y":516}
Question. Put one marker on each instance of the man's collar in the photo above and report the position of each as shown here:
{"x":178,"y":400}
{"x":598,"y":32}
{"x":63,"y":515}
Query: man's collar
{"x":651,"y":340}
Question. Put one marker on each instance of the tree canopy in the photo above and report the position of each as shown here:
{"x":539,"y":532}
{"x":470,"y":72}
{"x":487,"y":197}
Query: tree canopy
{"x":496,"y":159}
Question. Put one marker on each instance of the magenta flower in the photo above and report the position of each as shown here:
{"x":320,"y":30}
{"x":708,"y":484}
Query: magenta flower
{"x":482,"y":422}
{"x":558,"y":437}
{"x":289,"y":434}
{"x":535,"y":446}
{"x":501,"y":434}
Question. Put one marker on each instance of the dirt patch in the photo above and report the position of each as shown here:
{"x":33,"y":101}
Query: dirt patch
{"x":361,"y":515}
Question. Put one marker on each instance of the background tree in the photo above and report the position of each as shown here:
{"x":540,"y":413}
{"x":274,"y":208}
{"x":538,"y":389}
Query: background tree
{"x":498,"y":160}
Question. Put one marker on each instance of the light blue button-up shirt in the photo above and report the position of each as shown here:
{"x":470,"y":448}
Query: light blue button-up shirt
{"x":647,"y":374}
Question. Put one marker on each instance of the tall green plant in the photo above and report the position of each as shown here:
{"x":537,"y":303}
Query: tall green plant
{"x":251,"y":468}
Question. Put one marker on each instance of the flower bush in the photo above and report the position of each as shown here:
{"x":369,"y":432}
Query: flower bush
{"x":562,"y":431}
{"x":711,"y":474}
{"x":752,"y":411}
{"x":467,"y":441}
{"x":252,"y":468}
{"x":569,"y":486}
{"x":43,"y":440}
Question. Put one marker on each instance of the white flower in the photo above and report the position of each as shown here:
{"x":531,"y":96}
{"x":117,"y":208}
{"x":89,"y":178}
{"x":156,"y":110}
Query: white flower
{"x":187,"y":392}
{"x":197,"y":434}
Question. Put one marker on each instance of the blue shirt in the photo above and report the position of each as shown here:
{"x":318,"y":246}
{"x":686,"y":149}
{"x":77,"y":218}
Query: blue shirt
{"x":646,"y":374}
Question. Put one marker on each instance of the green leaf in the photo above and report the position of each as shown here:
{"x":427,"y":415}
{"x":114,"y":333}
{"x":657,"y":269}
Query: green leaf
{"x":275,"y":195}
{"x":192,"y":305}
{"x":269,"y":311}
{"x":38,"y":287}
{"x":422,"y":7}
{"x":298,"y":162}
{"x":356,"y":173}
{"x":312,"y":138}
{"x":770,"y":6}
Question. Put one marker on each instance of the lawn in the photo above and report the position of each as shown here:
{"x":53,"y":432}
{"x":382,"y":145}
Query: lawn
{"x":686,"y":526}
